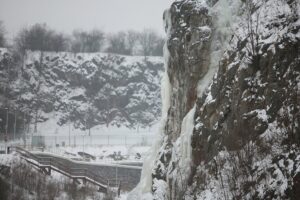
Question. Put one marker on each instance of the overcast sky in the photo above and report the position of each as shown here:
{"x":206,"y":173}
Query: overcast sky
{"x":67,"y":15}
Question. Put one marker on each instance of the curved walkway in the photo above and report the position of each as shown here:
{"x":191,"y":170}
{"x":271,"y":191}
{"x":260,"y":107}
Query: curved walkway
{"x":105,"y":176}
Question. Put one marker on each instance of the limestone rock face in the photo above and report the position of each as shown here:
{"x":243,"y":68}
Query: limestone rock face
{"x":244,"y":101}
{"x":246,"y":135}
{"x":188,"y":45}
{"x":86,"y":89}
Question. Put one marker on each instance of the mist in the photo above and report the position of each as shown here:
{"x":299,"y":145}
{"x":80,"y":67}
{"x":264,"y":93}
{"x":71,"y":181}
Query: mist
{"x":67,"y":15}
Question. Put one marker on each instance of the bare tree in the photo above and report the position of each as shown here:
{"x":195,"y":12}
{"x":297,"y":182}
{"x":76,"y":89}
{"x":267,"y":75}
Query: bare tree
{"x":20,"y":41}
{"x":83,"y":41}
{"x":117,"y":43}
{"x":158,"y":47}
{"x":36,"y":38}
{"x":150,"y":42}
{"x":59,"y":42}
{"x":94,"y":40}
{"x":132,"y":40}
{"x":2,"y":35}
{"x":76,"y":46}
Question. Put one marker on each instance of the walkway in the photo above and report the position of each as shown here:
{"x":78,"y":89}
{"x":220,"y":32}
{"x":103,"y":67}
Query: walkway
{"x":105,"y":176}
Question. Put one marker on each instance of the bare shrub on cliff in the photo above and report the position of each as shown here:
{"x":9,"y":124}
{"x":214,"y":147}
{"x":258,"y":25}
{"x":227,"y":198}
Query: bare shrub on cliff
{"x":253,"y":35}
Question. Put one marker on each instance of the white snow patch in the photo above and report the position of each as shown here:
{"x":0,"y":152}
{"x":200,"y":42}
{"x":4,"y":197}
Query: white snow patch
{"x":184,"y":142}
{"x":144,"y":188}
{"x":224,"y":13}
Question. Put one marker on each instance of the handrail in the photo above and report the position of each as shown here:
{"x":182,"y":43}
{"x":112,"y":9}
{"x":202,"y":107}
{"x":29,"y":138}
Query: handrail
{"x":20,"y":150}
{"x":49,"y":160}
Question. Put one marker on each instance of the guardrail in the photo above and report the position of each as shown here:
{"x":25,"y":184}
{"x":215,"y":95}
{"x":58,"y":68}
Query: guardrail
{"x":65,"y":169}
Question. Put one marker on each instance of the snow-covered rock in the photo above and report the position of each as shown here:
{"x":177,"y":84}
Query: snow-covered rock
{"x":237,"y":63}
{"x":84,"y":89}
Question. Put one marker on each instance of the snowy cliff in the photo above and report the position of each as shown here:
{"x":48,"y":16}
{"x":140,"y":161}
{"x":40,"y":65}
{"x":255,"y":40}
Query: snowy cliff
{"x":232,"y":106}
{"x":84,"y":89}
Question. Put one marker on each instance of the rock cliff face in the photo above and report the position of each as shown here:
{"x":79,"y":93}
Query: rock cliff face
{"x":84,"y":89}
{"x":189,"y":35}
{"x":234,"y":135}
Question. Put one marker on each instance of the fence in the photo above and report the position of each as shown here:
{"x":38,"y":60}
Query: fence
{"x":83,"y":141}
{"x":80,"y":140}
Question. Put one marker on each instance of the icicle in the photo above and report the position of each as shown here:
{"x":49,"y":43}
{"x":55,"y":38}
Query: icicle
{"x":143,"y":189}
{"x":223,"y":15}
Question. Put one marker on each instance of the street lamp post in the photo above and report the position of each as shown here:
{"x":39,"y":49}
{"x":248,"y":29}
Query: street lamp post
{"x":6,"y":124}
{"x":74,"y":139}
{"x":24,"y":132}
{"x":69,"y":133}
{"x":15,"y":124}
{"x":83,"y":143}
{"x":6,"y":127}
{"x":116,"y":175}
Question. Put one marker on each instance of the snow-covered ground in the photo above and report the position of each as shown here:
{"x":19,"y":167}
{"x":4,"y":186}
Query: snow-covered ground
{"x":106,"y":144}
{"x":56,"y":135}
{"x":102,"y":153}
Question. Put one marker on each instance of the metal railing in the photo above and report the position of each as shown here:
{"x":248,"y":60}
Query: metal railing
{"x":66,"y":169}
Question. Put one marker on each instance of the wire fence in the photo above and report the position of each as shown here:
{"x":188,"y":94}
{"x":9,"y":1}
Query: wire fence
{"x":81,"y":140}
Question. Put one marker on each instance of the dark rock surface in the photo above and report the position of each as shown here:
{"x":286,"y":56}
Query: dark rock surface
{"x":86,"y":89}
{"x":190,"y":34}
{"x":246,"y":138}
